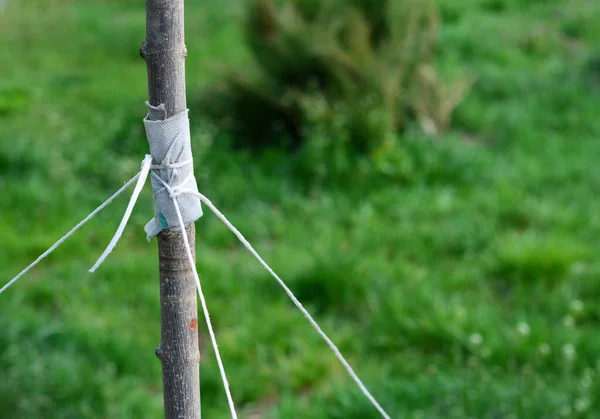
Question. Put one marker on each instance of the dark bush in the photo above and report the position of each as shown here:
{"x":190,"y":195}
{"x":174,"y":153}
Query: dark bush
{"x":332,"y":76}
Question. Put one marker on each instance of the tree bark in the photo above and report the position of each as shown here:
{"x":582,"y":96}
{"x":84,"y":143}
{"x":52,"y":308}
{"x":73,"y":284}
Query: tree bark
{"x":164,"y":51}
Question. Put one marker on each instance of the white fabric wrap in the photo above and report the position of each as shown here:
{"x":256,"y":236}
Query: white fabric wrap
{"x":169,"y":141}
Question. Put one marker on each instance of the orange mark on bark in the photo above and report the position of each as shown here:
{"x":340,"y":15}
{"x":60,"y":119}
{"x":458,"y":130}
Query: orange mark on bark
{"x":193,"y":324}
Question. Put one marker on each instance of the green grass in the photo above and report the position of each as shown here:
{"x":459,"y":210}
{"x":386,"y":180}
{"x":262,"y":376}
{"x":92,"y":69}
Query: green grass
{"x":466,"y":287}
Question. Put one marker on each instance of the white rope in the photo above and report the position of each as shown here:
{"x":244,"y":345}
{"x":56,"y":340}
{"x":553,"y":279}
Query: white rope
{"x":213,"y":339}
{"x":136,"y":193}
{"x":70,"y":233}
{"x":292,"y":297}
{"x":174,"y":192}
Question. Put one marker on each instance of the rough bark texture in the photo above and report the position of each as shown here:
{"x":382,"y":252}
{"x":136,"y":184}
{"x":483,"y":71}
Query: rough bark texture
{"x":164,"y":51}
{"x":178,"y":350}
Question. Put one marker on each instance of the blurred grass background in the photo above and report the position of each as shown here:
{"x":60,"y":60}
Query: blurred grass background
{"x":456,"y":268}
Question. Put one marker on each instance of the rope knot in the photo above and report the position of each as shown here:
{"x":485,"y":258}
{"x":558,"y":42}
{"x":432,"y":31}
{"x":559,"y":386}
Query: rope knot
{"x":173,"y":190}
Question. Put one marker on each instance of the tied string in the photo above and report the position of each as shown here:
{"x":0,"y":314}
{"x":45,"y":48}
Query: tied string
{"x":175,"y":191}
{"x":146,"y":166}
{"x":140,"y":177}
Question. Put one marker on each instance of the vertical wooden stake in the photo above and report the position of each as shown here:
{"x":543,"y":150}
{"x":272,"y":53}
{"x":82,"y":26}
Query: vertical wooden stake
{"x":164,"y":51}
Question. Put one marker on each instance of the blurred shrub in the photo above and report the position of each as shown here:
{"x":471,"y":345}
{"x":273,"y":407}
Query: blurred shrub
{"x":333,"y":76}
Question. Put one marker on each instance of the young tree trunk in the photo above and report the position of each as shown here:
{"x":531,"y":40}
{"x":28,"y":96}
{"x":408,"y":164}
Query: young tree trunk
{"x":164,"y":51}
